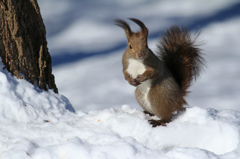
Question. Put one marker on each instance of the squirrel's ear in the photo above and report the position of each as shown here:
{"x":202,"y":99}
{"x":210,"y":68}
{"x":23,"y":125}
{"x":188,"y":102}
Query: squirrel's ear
{"x":142,"y":26}
{"x":125,"y":26}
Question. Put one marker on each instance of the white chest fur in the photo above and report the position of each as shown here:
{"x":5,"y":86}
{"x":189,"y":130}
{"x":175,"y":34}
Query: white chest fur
{"x":135,"y":68}
{"x":144,"y":88}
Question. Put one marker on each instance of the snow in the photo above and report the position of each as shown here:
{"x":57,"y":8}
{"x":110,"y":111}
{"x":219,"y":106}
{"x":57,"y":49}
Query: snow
{"x":99,"y":117}
{"x":38,"y":124}
{"x":83,"y":23}
{"x":21,"y":101}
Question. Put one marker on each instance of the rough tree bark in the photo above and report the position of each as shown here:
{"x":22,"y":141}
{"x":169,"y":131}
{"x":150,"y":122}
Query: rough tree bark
{"x":23,"y":45}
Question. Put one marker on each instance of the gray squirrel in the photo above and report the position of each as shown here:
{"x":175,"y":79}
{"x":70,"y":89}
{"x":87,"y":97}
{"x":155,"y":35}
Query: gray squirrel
{"x":162,"y":79}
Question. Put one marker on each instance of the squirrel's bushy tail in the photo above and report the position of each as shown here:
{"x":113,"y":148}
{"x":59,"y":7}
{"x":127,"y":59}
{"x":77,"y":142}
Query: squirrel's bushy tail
{"x":181,"y":55}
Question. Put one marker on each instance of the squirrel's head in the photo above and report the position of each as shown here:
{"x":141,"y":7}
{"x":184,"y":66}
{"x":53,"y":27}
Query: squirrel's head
{"x":137,"y":42}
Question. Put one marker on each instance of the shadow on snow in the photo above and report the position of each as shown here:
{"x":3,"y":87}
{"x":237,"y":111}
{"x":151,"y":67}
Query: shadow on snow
{"x":225,"y":14}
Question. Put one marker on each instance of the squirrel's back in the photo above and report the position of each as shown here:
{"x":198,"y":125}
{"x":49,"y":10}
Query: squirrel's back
{"x":181,"y":56}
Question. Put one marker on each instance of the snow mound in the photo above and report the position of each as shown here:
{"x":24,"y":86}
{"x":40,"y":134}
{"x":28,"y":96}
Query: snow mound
{"x":211,"y":130}
{"x":20,"y":101}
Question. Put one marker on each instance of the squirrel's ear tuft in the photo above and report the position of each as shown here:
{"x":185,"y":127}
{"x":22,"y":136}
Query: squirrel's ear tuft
{"x":141,"y":24}
{"x":125,"y":26}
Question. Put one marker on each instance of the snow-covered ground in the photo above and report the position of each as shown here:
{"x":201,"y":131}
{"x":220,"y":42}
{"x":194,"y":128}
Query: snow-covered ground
{"x":107,"y":122}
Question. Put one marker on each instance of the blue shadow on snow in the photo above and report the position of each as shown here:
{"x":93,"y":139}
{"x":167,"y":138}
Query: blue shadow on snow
{"x":227,"y":13}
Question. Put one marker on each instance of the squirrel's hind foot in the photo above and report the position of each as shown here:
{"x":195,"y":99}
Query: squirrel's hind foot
{"x":146,"y":112}
{"x":156,"y":123}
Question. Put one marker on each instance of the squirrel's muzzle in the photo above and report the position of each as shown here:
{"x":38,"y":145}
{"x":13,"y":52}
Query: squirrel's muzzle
{"x":140,"y":55}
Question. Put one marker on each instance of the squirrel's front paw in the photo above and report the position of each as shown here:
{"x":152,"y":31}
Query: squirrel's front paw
{"x":141,"y":78}
{"x":133,"y":82}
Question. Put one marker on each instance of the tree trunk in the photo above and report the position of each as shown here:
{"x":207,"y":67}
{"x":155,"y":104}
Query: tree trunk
{"x":23,"y":45}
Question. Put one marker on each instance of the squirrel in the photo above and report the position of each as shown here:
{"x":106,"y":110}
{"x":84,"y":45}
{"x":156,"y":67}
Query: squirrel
{"x":162,"y":79}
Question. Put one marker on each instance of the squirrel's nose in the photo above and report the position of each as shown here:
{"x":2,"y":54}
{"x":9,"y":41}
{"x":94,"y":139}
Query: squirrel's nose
{"x":140,"y":55}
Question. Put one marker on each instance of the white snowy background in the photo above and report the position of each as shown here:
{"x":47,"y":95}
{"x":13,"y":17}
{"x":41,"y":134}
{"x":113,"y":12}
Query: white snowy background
{"x":86,"y":50}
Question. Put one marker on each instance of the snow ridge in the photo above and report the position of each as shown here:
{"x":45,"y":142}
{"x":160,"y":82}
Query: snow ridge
{"x":20,"y":101}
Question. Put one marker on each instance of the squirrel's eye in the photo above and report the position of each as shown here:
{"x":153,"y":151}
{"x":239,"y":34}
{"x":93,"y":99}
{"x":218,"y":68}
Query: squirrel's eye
{"x":130,"y":46}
